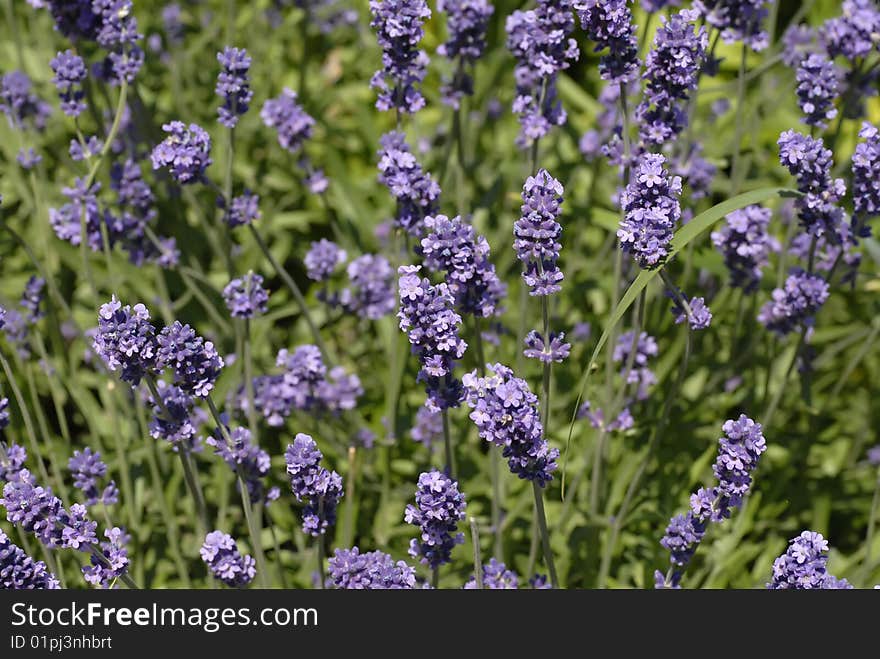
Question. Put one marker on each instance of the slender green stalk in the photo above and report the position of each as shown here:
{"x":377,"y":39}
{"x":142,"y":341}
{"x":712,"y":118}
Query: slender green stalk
{"x":43,"y":427}
{"x":109,"y":398}
{"x":872,"y":523}
{"x":249,"y":380}
{"x":740,"y":124}
{"x":541,"y":517}
{"x":294,"y":290}
{"x":350,"y":490}
{"x":478,"y":564}
{"x":777,"y":396}
{"x":435,"y":578}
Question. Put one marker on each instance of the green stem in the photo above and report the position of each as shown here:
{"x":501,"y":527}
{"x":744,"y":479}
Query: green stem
{"x":249,"y":381}
{"x":350,"y":489}
{"x":777,"y":396}
{"x":478,"y":564}
{"x":541,"y":518}
{"x":740,"y":121}
{"x":43,"y":427}
{"x":26,"y":417}
{"x":869,"y":538}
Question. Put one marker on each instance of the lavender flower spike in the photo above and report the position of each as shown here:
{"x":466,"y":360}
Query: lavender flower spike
{"x":126,"y":340}
{"x":375,"y":570}
{"x":70,"y":71}
{"x":289,"y":119}
{"x":438,"y":509}
{"x":311,"y":483}
{"x":225,"y":561}
{"x":467,"y":22}
{"x":245,"y":297}
{"x":537,"y":233}
{"x":185,"y":153}
{"x":609,"y":24}
{"x":195,"y":362}
{"x":414,"y":190}
{"x":18,"y":571}
{"x":399,"y":29}
{"x":795,"y":303}
{"x":233,"y":85}
{"x":803,"y":566}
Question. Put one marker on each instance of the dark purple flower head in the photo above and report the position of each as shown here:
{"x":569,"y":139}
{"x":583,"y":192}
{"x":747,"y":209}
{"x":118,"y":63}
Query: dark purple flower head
{"x":126,"y":340}
{"x":540,"y":41}
{"x":609,"y":24}
{"x":414,"y":190}
{"x":746,"y":245}
{"x":70,"y":71}
{"x":18,"y":571}
{"x":19,"y":104}
{"x":174,"y":419}
{"x":505,"y":412}
{"x":185,"y":153}
{"x":370,"y":293}
{"x":496,"y":576}
{"x":438,"y":509}
{"x":803,"y":565}
{"x":312,"y":484}
{"x":432,"y":326}
{"x":556,"y":350}
{"x":105,"y":573}
{"x":225,"y":561}
{"x":233,"y":85}
{"x":818,"y":81}
{"x":351,"y":570}
{"x":696,"y":314}
{"x":4,"y":406}
{"x":652,"y":211}
{"x":88,"y":469}
{"x":245,"y":458}
{"x":245,"y":297}
{"x":537,"y":233}
{"x":853,"y":34}
{"x":322,"y":259}
{"x":195,"y":362}
{"x":866,"y":178}
{"x":452,"y":246}
{"x":466,"y":22}
{"x":244,"y":209}
{"x":738,"y":20}
{"x":399,"y":29}
{"x":795,"y":303}
{"x":672,"y":69}
{"x":80,"y":151}
{"x":288,"y":119}
{"x":12,"y":456}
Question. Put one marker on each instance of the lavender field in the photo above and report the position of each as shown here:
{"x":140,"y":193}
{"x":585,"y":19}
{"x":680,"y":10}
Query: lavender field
{"x":458,"y":294}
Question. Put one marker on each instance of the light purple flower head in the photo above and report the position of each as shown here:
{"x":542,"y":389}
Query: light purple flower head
{"x":245,"y":297}
{"x":195,"y":362}
{"x":312,"y":484}
{"x":19,"y":104}
{"x":537,"y":233}
{"x":795,"y":303}
{"x":438,"y":509}
{"x":233,"y":85}
{"x":609,"y":24}
{"x":351,"y":570}
{"x":415,"y":191}
{"x":288,"y":118}
{"x":746,"y":245}
{"x":126,"y":340}
{"x":322,"y":259}
{"x":399,"y":26}
{"x":185,"y":153}
{"x":803,"y":566}
{"x":818,"y":81}
{"x":467,"y":22}
{"x":225,"y":561}
{"x":70,"y":71}
{"x":18,"y":571}
{"x":88,"y":469}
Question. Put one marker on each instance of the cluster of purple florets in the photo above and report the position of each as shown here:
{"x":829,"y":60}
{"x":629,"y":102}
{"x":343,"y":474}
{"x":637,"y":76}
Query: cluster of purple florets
{"x":795,"y":303}
{"x":247,"y":460}
{"x":738,"y":20}
{"x":233,"y":85}
{"x":351,"y":570}
{"x":70,"y":72}
{"x":322,"y":259}
{"x":438,"y":509}
{"x":672,"y":70}
{"x":537,"y":233}
{"x":540,"y":41}
{"x":496,"y":576}
{"x":453,"y":247}
{"x":243,"y":209}
{"x":818,"y":82}
{"x":313,"y":485}
{"x":803,"y":566}
{"x":414,"y":190}
{"x":866,"y":178}
{"x":18,"y":571}
{"x":245,"y":296}
{"x":608,"y":23}
{"x":467,"y":22}
{"x":399,"y":26}
{"x":738,"y":453}
{"x":505,"y":412}
{"x":651,"y":212}
{"x":105,"y":568}
{"x":289,"y":120}
{"x":370,"y":290}
{"x":195,"y":362}
{"x":174,"y":418}
{"x":88,"y":469}
{"x":746,"y":245}
{"x":185,"y":153}
{"x":225,"y":562}
{"x":20,"y":105}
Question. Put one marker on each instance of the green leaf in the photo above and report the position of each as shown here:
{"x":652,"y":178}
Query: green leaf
{"x":682,"y":238}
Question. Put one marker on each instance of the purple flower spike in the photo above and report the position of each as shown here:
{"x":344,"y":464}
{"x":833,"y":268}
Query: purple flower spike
{"x":609,"y":24}
{"x":126,"y":340}
{"x":311,"y":483}
{"x":496,"y":576}
{"x":289,"y":120}
{"x":746,"y":245}
{"x":375,"y":570}
{"x":21,"y":106}
{"x":70,"y":71}
{"x":795,"y":303}
{"x":866,"y":178}
{"x":467,"y":22}
{"x":818,"y":79}
{"x":185,"y":153}
{"x":537,"y":233}
{"x":18,"y":571}
{"x":505,"y":412}
{"x":803,"y":566}
{"x":556,"y":350}
{"x":233,"y":85}
{"x":414,"y":190}
{"x":87,"y":469}
{"x":244,"y":209}
{"x":438,"y":509}
{"x":225,"y":561}
{"x":399,"y":29}
{"x":738,"y":20}
{"x":195,"y":361}
{"x":322,"y":259}
{"x":245,"y":297}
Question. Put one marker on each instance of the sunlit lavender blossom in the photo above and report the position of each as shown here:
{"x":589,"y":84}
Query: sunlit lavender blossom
{"x":195,"y":362}
{"x":414,"y":190}
{"x":537,"y":233}
{"x":87,"y":469}
{"x":246,"y":459}
{"x":795,"y":303}
{"x":289,"y":120}
{"x":370,"y":291}
{"x":696,"y":172}
{"x":185,"y":153}
{"x":652,"y":211}
{"x":496,"y":576}
{"x":245,"y":297}
{"x":866,"y":179}
{"x":738,"y":20}
{"x":452,"y":246}
{"x":225,"y":561}
{"x":351,"y":570}
{"x":746,"y":245}
{"x":12,"y":460}
{"x":126,"y":340}
{"x":697,"y":314}
{"x":645,"y":349}
{"x":803,"y":566}
{"x":105,"y":573}
{"x":609,"y":24}
{"x":554,"y":350}
{"x":70,"y":71}
{"x":505,"y":412}
{"x":427,"y":429}
{"x":432,"y":326}
{"x":233,"y":85}
{"x":540,"y":41}
{"x":174,"y":418}
{"x":244,"y":209}
{"x":438,"y":509}
{"x":18,"y":571}
{"x":817,"y":89}
{"x":853,"y":34}
{"x":19,"y":104}
{"x":313,"y":485}
{"x":798,"y":42}
{"x":399,"y":29}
